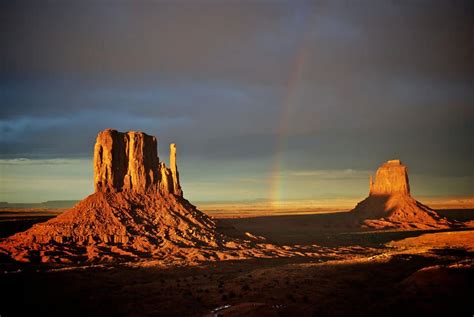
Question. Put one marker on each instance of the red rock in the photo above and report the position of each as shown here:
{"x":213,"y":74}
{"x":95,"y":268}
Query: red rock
{"x":390,"y":204}
{"x":129,"y":162}
{"x":391,"y":178}
{"x":136,"y":212}
{"x":174,"y":171}
{"x":125,"y":161}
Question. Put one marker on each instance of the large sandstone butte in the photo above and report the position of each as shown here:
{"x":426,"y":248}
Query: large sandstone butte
{"x":390,"y":204}
{"x":136,"y":212}
{"x":129,"y":162}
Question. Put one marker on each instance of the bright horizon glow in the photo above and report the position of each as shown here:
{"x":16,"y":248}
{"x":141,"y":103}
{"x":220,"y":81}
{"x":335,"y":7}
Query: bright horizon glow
{"x":32,"y":181}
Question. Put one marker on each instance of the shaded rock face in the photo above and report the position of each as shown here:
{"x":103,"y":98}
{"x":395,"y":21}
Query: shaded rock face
{"x":129,"y":162}
{"x":390,"y":204}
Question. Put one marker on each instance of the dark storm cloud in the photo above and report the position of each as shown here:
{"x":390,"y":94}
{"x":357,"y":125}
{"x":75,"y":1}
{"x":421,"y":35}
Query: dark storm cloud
{"x":381,"y":79}
{"x":141,"y":39}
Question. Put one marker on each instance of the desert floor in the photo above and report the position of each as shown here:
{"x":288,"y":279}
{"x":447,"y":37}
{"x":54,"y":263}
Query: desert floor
{"x":425,"y":273}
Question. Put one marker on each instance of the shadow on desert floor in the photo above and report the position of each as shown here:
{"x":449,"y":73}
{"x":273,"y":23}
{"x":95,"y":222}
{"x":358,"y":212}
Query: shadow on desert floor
{"x":283,"y":287}
{"x":326,"y":229}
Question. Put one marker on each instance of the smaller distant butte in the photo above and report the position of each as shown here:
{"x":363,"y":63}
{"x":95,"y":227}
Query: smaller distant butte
{"x":390,"y":204}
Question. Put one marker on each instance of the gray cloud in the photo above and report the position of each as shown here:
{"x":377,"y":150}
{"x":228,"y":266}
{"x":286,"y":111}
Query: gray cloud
{"x":379,"y":80}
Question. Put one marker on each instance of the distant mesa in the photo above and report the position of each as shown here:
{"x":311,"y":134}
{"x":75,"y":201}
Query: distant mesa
{"x":136,"y":212}
{"x":390,"y":204}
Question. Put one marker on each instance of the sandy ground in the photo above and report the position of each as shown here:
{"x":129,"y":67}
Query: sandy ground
{"x":383,"y":274}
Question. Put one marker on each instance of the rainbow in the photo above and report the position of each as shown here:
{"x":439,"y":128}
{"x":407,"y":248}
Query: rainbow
{"x":276,"y":179}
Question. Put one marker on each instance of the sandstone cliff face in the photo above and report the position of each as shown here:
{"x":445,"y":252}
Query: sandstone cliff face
{"x":391,"y":178}
{"x":390,"y":204}
{"x":129,"y":162}
{"x":166,"y":180}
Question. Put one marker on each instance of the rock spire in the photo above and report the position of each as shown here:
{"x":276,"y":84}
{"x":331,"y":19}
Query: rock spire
{"x":174,"y":171}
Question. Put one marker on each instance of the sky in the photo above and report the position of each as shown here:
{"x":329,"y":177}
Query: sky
{"x":276,"y":100}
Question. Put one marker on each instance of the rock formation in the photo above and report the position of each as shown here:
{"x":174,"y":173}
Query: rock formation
{"x":390,"y":204}
{"x":174,"y":171}
{"x":136,"y":212}
{"x":129,"y":162}
{"x":391,"y":179}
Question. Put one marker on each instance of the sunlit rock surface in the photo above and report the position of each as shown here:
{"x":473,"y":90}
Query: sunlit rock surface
{"x":390,"y":204}
{"x":129,"y":162}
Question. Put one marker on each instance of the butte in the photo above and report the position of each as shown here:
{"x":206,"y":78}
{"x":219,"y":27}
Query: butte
{"x":390,"y":204}
{"x":136,"y":212}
